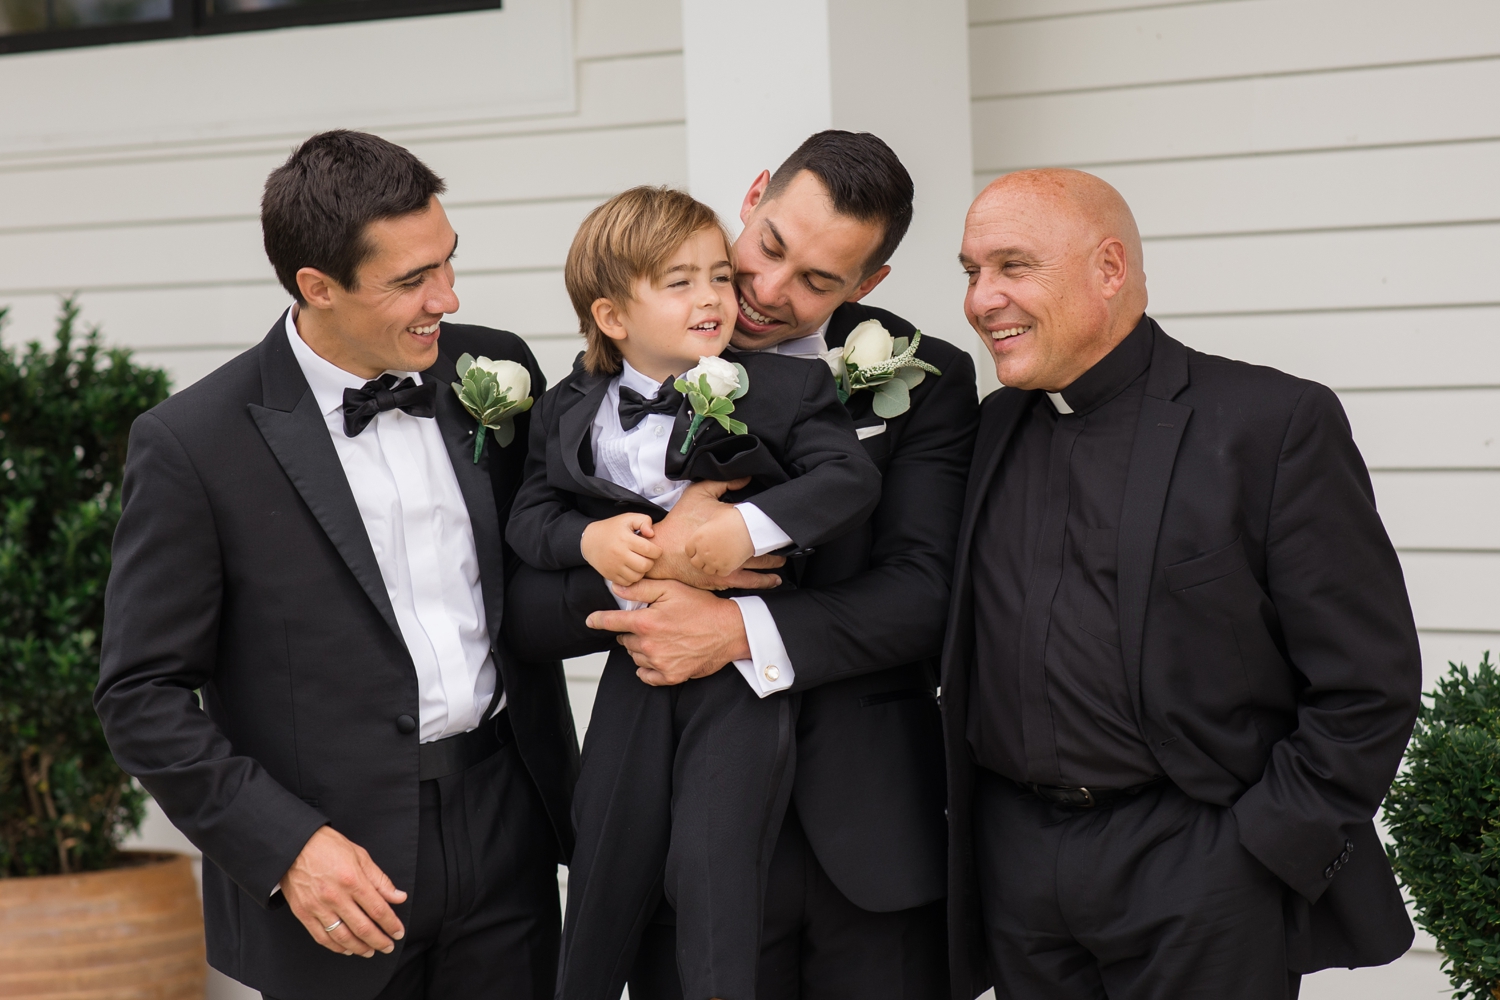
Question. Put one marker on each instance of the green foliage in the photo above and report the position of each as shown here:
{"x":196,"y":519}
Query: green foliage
{"x":1444,"y":816}
{"x":64,"y":418}
{"x":481,"y":394}
{"x":707,"y":406}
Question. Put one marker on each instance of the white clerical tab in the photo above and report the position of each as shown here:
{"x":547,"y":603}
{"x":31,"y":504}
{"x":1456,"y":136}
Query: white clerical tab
{"x":1058,"y":403}
{"x":772,"y":672}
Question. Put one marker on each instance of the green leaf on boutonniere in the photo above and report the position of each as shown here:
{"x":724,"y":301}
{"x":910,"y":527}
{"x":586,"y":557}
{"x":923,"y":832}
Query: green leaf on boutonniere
{"x":706,"y":403}
{"x":891,"y":399}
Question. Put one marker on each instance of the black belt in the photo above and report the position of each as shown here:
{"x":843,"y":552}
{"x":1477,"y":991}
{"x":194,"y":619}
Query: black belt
{"x":453,"y":754}
{"x":1087,"y":798}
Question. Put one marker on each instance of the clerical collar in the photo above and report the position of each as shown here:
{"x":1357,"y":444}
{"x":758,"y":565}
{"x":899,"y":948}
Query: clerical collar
{"x":1110,"y":375}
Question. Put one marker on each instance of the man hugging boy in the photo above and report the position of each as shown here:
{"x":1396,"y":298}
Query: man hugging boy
{"x":682,"y":788}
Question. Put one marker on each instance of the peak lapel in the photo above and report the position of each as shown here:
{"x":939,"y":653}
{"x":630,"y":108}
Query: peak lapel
{"x":1157,"y":439}
{"x":573,"y":428}
{"x":458,"y":429}
{"x":296,"y":434}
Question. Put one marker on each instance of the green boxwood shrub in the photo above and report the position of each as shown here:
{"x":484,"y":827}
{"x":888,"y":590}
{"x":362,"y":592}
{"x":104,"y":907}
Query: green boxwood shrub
{"x":1444,"y":816}
{"x":65,"y":414}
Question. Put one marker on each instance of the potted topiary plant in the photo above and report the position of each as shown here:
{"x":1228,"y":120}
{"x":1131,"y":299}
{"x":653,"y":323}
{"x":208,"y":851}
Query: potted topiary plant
{"x":78,"y":916}
{"x":1444,"y":818}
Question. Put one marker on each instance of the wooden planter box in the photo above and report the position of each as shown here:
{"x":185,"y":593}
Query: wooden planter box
{"x":129,"y":933}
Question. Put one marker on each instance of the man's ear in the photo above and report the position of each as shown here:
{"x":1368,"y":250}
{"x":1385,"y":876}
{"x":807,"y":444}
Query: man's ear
{"x":316,"y":287}
{"x":608,"y":317}
{"x":868,"y":285}
{"x":754,"y":195}
{"x":1114,"y":267}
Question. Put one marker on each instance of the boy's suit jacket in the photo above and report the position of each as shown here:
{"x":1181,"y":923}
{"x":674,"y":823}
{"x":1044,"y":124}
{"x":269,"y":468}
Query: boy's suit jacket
{"x":242,"y":569}
{"x":795,"y":422}
{"x":1266,"y":634}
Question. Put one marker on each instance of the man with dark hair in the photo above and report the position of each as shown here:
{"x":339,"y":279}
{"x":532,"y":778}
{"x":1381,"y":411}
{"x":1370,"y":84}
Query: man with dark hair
{"x":853,"y":903}
{"x":311,"y":540}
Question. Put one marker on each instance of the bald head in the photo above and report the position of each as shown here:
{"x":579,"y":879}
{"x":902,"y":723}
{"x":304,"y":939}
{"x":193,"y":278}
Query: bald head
{"x":1055,"y":274}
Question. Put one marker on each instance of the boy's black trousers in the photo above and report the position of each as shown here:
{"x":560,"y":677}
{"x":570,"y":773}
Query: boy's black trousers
{"x":682,"y":793}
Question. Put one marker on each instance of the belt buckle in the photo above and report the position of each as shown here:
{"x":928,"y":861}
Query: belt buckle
{"x":1088,"y":797}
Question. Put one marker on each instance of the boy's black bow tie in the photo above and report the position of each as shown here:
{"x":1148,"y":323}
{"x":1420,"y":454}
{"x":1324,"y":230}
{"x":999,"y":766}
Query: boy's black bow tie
{"x":634,"y":406}
{"x":386,"y":393}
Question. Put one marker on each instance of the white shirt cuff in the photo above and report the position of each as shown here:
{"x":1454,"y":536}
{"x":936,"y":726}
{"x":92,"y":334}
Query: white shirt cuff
{"x":764,"y":534}
{"x":769,"y":669}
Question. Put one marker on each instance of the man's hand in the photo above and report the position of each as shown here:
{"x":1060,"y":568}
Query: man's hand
{"x":697,"y":505}
{"x":333,"y":879}
{"x":685,"y":633}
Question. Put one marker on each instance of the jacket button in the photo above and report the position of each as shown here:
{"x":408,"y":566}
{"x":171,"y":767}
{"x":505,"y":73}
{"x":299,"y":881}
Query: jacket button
{"x":405,"y":725}
{"x":1328,"y":872}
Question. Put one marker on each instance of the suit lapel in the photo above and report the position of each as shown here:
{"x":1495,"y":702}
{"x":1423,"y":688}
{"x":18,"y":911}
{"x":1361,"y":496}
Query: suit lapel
{"x":458,"y":428}
{"x":1157,"y":438}
{"x":298,"y":437}
{"x":573,"y":428}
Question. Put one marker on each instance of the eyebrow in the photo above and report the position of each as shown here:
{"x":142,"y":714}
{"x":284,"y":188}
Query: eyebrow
{"x":403,"y":279}
{"x":825,"y":275}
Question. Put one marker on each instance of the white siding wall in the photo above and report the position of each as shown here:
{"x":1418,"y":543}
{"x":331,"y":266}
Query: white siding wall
{"x":1316,"y":184}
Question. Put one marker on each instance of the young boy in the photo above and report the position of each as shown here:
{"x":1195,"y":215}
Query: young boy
{"x":682,"y":788}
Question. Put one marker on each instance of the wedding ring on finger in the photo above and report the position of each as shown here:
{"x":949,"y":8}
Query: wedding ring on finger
{"x":333,"y":926}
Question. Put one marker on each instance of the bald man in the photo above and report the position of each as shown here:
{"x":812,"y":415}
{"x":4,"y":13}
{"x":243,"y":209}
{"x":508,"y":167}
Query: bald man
{"x":1180,"y":665}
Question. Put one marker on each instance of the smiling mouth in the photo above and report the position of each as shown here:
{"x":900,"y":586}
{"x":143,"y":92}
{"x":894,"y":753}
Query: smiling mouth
{"x":707,"y":326}
{"x":1009,"y":332}
{"x":758,"y":318}
{"x":424,"y":331}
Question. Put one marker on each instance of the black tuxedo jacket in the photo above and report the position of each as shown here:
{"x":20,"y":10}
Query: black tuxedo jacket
{"x":864,"y":630}
{"x":1266,"y":635}
{"x":242,"y":570}
{"x":795,"y":423}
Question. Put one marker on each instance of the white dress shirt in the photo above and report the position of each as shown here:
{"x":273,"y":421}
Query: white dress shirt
{"x":637,"y":460}
{"x":408,"y":497}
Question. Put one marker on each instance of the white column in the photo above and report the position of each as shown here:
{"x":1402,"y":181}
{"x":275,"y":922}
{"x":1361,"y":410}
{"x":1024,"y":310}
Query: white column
{"x":762,"y":77}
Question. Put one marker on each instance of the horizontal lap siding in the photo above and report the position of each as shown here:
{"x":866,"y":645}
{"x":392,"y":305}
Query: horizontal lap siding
{"x":163,"y":242}
{"x":1315,"y":185}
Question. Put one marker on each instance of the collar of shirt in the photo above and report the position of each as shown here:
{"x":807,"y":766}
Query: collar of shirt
{"x":326,"y":379}
{"x":811,"y":346}
{"x":632,"y":379}
{"x":1110,"y":374}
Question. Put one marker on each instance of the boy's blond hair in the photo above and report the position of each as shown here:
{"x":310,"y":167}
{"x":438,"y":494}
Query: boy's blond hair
{"x":629,"y":237}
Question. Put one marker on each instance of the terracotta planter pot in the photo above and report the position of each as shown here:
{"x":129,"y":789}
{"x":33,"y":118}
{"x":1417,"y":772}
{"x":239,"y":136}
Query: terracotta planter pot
{"x":130,"y":933}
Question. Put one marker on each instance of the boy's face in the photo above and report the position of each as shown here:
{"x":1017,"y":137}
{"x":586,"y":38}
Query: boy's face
{"x":685,"y":313}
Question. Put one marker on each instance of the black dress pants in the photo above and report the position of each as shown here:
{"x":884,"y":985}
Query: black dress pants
{"x":484,"y":915}
{"x":1150,"y":898}
{"x":681,"y":795}
{"x":816,"y":944}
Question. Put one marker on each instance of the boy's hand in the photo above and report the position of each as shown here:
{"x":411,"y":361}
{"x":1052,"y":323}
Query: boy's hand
{"x":722,"y":544}
{"x":618,"y":549}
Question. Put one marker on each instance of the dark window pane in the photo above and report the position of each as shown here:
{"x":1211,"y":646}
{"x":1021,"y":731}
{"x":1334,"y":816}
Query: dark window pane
{"x":19,"y":16}
{"x":244,"y":6}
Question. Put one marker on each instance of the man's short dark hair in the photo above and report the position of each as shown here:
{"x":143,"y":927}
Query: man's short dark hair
{"x":864,"y":178}
{"x":318,"y":203}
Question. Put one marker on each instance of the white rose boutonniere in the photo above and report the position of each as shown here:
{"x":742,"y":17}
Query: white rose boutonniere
{"x":888,"y":366}
{"x":711,"y":388}
{"x":494,"y":393}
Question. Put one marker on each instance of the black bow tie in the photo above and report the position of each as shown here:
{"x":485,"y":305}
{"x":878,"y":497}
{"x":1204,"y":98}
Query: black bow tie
{"x":634,"y":406}
{"x":386,"y":393}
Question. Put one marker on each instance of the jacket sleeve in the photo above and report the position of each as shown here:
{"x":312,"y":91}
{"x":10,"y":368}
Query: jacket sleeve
{"x":894,"y":611}
{"x":1338,"y":591}
{"x":161,"y":629}
{"x":835,"y":486}
{"x":545,"y":529}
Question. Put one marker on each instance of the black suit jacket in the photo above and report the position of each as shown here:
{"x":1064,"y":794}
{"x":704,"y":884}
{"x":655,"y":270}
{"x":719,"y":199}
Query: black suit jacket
{"x":242,"y":570}
{"x":1266,"y":635}
{"x":864,"y":630}
{"x":796,"y":427}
